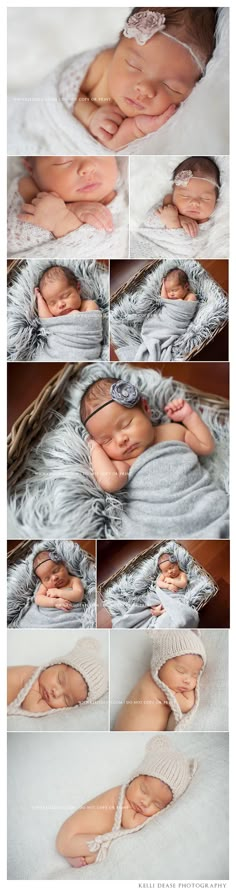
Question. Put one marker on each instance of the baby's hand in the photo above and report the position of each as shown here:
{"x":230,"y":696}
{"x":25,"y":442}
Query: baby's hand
{"x":47,"y":210}
{"x":178,"y":410}
{"x":169,"y":216}
{"x":63,"y":604}
{"x":93,"y":213}
{"x":53,"y":592}
{"x":135,"y":128}
{"x":156,"y":610}
{"x":105,"y":123}
{"x":42,"y":307}
{"x":190,"y":226}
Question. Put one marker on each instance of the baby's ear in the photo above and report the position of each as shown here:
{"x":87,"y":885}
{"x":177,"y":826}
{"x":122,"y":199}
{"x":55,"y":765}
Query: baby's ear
{"x":27,"y":164}
{"x":145,"y":406}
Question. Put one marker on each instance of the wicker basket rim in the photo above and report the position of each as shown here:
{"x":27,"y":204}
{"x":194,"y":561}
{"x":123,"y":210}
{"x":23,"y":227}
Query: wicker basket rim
{"x":22,"y":548}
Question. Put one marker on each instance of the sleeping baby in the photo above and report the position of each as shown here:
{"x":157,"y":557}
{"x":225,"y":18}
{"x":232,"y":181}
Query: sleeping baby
{"x":58,"y":588}
{"x":162,"y":777}
{"x":157,"y":463}
{"x":172,"y":319}
{"x":196,"y":186}
{"x":79,"y":677}
{"x":59,"y":196}
{"x":171,"y":578}
{"x":58,"y":294}
{"x":171,"y":686}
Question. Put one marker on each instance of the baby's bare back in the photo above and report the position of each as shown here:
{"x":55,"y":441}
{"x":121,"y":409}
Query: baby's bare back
{"x":145,"y":708}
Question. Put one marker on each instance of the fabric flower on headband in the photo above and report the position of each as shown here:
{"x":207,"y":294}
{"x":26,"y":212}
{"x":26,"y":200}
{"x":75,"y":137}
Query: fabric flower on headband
{"x":125,"y":393}
{"x":182,"y":179}
{"x":143,"y":25}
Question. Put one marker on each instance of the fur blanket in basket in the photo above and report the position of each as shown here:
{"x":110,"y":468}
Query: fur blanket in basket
{"x":130,"y":311}
{"x":57,"y":487}
{"x":149,"y":237}
{"x":27,"y":334}
{"x":23,"y":584}
{"x":41,"y":120}
{"x":136,"y":585}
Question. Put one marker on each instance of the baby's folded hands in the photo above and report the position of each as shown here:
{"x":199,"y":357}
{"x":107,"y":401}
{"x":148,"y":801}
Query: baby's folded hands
{"x":112,"y":129}
{"x":93,"y":213}
{"x":63,"y":604}
{"x":189,"y":226}
{"x":178,"y":410}
{"x":105,"y":122}
{"x":156,"y":610}
{"x":47,"y":210}
{"x":169,"y":216}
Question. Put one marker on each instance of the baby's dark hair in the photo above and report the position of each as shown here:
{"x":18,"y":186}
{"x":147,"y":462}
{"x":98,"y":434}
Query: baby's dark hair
{"x":95,"y":396}
{"x":201,"y":166}
{"x":39,"y":559}
{"x":182,"y":276}
{"x":194,"y":26}
{"x":167,"y":556}
{"x":52,"y":273}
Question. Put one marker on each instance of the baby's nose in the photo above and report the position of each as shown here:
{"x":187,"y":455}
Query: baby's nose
{"x":88,"y":166}
{"x":146,"y":89}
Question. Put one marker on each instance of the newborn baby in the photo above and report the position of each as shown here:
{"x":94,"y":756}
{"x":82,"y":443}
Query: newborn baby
{"x":120,"y":429}
{"x":58,"y":294}
{"x":61,"y":193}
{"x":58,"y":588}
{"x":77,"y":677}
{"x":175,"y":286}
{"x":196,"y":185}
{"x":162,"y":776}
{"x":177,"y":663}
{"x":170,"y":578}
{"x":132,"y":89}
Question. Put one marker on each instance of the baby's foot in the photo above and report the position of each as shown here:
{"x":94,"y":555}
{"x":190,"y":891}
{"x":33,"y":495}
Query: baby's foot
{"x":77,"y":861}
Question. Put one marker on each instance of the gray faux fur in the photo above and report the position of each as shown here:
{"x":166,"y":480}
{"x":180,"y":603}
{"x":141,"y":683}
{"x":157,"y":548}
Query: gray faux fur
{"x":130,"y":311}
{"x":57,"y":488}
{"x":135,"y":584}
{"x":26,"y":333}
{"x":23,"y":582}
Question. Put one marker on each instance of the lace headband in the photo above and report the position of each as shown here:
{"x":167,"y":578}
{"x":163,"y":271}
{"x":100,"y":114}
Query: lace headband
{"x":143,"y":25}
{"x":182,"y":179}
{"x":122,"y":392}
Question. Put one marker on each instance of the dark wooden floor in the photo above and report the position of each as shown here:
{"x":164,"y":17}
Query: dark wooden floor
{"x":122,"y":270}
{"x":213,"y":555}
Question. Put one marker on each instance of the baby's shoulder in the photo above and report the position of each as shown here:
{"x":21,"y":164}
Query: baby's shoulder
{"x":191,"y":296}
{"x":173,"y":431}
{"x":89,"y":305}
{"x":96,"y":69}
{"x":27,"y":188}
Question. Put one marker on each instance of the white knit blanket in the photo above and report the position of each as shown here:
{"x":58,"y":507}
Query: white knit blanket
{"x":148,"y":235}
{"x":26,"y":240}
{"x":41,"y":120}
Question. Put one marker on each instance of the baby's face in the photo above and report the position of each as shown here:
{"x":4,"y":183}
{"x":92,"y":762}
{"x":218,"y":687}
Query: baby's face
{"x":123,"y":433}
{"x":75,"y":178}
{"x":174,"y":290}
{"x":62,"y":686}
{"x":148,"y":79}
{"x":148,"y":795}
{"x":197,"y":200}
{"x":61,"y":297}
{"x":181,"y":673}
{"x":53,"y":575}
{"x":169,"y":569}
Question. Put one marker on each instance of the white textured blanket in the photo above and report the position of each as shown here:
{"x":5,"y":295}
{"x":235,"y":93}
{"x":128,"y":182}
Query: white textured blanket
{"x":148,"y":235}
{"x":41,"y":120}
{"x":26,"y":240}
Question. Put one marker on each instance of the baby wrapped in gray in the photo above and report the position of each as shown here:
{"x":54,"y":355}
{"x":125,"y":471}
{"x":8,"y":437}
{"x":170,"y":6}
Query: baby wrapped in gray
{"x":160,"y":329}
{"x":76,"y":336}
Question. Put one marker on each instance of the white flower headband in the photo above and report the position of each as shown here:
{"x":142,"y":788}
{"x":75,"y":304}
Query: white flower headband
{"x":143,"y":25}
{"x":182,"y":179}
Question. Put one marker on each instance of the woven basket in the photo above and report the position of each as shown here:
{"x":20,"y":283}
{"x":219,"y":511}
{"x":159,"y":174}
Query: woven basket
{"x":149,"y":553}
{"x":32,"y":423}
{"x":24,"y":548}
{"x":135,"y":281}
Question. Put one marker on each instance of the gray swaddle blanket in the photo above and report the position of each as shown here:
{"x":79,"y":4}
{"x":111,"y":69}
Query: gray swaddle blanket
{"x":76,"y":336}
{"x":169,"y":490}
{"x":160,"y":329}
{"x":177,"y":612}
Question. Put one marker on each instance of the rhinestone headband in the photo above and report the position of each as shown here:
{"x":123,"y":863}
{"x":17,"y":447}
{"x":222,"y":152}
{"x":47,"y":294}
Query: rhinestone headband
{"x":183,"y":178}
{"x":122,"y":392}
{"x":143,"y":25}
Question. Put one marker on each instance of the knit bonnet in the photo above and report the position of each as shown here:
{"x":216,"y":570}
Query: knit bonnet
{"x":170,"y":643}
{"x":170,"y":766}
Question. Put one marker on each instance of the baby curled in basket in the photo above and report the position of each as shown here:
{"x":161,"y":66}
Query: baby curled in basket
{"x":167,"y":487}
{"x":171,"y":685}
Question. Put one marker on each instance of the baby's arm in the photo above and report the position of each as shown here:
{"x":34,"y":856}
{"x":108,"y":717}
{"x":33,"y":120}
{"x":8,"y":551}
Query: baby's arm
{"x":72,"y":593}
{"x":185,"y":700}
{"x":93,"y":213}
{"x":197,"y":435}
{"x":50,"y":212}
{"x":131,"y":129}
{"x":42,"y":307}
{"x":34,"y":702}
{"x":110,"y":474}
{"x":89,"y":305}
{"x":191,"y":297}
{"x":130,"y":818}
{"x":165,"y":583}
{"x":43,"y":600}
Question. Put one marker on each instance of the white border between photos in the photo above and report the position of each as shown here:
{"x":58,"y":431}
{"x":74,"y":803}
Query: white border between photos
{"x":129,"y":885}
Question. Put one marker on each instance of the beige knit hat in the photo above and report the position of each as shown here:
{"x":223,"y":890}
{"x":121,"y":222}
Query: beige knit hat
{"x":170,"y":766}
{"x":170,"y":643}
{"x":85,"y":657}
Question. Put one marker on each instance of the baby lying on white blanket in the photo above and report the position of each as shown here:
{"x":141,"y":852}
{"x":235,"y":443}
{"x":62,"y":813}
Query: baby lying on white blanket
{"x":127,"y":450}
{"x":59,"y":197}
{"x":170,"y":685}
